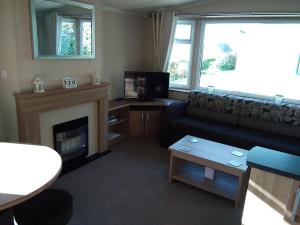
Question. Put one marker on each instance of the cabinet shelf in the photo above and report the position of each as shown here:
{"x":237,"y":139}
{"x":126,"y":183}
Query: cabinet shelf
{"x":117,"y":138}
{"x":119,"y":121}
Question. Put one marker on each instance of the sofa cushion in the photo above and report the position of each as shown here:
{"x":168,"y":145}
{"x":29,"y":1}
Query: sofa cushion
{"x":201,"y":127}
{"x":221,"y":107}
{"x":288,"y":114}
{"x":248,"y":138}
{"x":264,"y":115}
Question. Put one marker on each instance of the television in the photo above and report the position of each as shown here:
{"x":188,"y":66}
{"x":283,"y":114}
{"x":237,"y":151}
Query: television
{"x":146,"y":85}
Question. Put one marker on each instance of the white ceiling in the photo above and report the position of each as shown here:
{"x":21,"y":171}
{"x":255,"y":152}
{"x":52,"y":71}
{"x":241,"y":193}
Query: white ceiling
{"x":142,"y":5}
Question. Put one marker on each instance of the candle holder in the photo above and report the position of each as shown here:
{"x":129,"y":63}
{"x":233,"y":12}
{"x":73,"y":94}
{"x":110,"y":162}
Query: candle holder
{"x":96,"y":79}
{"x":38,"y":85}
{"x":278,"y":99}
{"x":210,"y":89}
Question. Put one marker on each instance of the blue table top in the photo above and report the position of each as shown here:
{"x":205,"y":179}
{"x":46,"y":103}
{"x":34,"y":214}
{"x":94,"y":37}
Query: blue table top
{"x":281,"y":163}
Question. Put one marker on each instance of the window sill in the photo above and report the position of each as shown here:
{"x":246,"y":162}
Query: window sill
{"x":180,"y":90}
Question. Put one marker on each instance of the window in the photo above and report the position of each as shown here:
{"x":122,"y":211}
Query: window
{"x":67,"y":37}
{"x":252,"y":56}
{"x":181,"y":54}
{"x":86,"y":37}
{"x":75,"y":36}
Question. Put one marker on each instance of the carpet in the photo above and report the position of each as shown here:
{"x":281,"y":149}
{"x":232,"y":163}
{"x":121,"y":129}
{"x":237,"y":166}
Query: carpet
{"x":130,"y":186}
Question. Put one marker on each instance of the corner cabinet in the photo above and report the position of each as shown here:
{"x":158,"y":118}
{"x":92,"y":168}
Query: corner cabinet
{"x":135,"y":118}
{"x":144,"y":122}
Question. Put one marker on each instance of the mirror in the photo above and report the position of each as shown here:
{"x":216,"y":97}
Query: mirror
{"x":62,"y":29}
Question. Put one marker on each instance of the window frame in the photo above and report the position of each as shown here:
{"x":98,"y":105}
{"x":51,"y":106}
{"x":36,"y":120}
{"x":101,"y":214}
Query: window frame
{"x":198,"y":47}
{"x":191,"y":41}
{"x":81,"y":21}
{"x":60,"y":33}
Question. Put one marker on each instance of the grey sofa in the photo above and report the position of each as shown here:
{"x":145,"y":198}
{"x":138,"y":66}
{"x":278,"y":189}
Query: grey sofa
{"x":240,"y":122}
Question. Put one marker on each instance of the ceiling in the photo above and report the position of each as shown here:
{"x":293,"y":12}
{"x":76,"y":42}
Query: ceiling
{"x":143,"y":5}
{"x":127,"y":5}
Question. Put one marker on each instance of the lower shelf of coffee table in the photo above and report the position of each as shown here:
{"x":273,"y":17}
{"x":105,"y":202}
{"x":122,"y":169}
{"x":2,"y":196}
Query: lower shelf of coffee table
{"x":223,"y":184}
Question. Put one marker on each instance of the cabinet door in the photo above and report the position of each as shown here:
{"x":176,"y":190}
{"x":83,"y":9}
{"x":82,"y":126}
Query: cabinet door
{"x":136,"y":122}
{"x":152,"y":122}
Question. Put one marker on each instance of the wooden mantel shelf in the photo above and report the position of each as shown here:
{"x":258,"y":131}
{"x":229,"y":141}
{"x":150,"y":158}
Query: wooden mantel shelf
{"x":58,"y":91}
{"x":30,"y":105}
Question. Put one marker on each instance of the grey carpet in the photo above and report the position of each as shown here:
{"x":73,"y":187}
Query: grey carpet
{"x":130,"y":187}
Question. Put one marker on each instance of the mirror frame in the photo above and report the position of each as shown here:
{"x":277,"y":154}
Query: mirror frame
{"x":35,"y":47}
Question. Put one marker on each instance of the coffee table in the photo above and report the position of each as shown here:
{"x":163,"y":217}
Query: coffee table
{"x":204,"y":164}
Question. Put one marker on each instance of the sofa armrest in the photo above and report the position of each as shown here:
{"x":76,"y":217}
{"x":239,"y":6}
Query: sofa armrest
{"x":174,"y":110}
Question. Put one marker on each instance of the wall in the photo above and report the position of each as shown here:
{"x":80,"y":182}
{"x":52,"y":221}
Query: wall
{"x":124,"y":37}
{"x":125,"y":44}
{"x":16,"y":58}
{"x":8,"y":62}
{"x":242,"y":6}
{"x":51,"y":70}
{"x":2,"y":135}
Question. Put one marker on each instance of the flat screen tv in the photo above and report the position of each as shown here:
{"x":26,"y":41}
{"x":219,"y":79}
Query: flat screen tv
{"x":146,"y":85}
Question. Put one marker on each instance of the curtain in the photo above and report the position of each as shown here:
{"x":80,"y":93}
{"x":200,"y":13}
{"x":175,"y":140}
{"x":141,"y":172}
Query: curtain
{"x":51,"y":23}
{"x":47,"y":33}
{"x":163,"y":24}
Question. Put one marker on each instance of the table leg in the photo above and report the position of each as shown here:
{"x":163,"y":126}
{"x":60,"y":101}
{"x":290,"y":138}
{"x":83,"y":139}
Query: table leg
{"x":6,"y":217}
{"x":172,"y":167}
{"x":242,"y":188}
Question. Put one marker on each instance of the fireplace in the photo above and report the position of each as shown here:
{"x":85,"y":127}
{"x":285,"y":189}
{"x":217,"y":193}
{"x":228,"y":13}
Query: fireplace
{"x":71,"y":140}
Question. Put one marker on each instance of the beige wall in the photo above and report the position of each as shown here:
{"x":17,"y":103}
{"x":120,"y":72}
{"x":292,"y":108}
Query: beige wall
{"x":2,"y":134}
{"x":124,"y":47}
{"x":8,"y":62}
{"x":123,"y":50}
{"x":51,"y":70}
{"x":16,"y":58}
{"x":243,"y":6}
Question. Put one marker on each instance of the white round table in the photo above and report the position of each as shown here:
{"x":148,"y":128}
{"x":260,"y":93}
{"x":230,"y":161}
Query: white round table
{"x":25,"y":171}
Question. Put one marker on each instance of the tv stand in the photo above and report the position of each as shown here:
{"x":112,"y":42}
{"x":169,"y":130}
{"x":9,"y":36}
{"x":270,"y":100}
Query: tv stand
{"x":135,"y":118}
{"x":145,"y":100}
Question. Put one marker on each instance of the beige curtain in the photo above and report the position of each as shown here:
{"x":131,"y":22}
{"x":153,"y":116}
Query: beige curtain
{"x":47,"y":33}
{"x":163,"y":35}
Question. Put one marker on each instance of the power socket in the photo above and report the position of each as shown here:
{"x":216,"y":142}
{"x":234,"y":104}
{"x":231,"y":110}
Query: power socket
{"x":4,"y":75}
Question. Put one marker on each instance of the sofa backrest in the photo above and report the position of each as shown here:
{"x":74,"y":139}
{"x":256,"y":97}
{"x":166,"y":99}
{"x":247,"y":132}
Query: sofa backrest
{"x":246,"y":112}
{"x":221,"y":107}
{"x":264,"y":115}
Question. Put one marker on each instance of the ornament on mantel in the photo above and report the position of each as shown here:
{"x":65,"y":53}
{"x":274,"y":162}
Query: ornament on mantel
{"x":38,"y":85}
{"x":68,"y":82}
{"x":96,"y":79}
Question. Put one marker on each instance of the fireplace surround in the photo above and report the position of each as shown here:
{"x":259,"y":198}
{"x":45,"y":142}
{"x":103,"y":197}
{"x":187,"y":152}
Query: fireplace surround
{"x":31,"y":105}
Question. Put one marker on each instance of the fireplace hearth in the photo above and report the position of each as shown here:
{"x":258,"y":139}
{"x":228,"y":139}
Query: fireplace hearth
{"x":71,"y":141}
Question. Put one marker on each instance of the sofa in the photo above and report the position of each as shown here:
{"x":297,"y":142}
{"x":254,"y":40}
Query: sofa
{"x":237,"y":121}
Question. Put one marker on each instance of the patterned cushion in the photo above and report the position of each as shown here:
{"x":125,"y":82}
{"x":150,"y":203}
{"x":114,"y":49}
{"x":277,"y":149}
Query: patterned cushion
{"x":288,"y":114}
{"x":261,"y":109}
{"x":217,"y":102}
